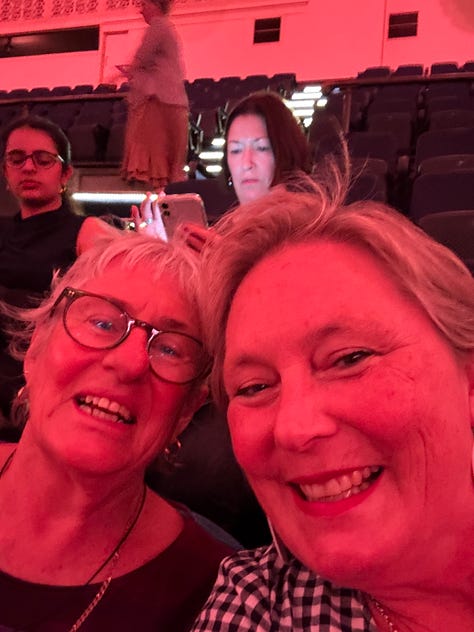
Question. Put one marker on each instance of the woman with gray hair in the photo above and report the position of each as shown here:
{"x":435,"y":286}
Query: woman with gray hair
{"x":114,"y":372}
{"x":343,"y":339}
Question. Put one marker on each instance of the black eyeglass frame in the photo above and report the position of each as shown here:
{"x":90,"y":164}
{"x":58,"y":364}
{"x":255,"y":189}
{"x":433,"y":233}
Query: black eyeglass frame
{"x":56,"y":157}
{"x":71,"y":294}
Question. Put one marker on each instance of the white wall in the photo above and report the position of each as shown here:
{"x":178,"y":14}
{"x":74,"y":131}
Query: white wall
{"x":319,"y":39}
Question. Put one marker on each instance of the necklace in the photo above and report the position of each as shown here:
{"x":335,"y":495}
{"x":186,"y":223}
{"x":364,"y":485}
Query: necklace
{"x":6,"y":465}
{"x":111,"y":559}
{"x":383,"y":613}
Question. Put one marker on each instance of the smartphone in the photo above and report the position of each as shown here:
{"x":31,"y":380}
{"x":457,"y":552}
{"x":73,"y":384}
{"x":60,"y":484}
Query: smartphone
{"x":182,"y":208}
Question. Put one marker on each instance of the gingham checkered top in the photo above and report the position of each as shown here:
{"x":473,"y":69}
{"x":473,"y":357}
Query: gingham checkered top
{"x":258,"y":591}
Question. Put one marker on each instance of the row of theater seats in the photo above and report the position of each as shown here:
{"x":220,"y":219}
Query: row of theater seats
{"x":401,"y":131}
{"x":409,"y":70}
{"x":412,"y":141}
{"x":94,"y":118}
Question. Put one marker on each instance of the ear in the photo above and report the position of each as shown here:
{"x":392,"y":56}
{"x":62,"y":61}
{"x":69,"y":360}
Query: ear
{"x":196,"y":399}
{"x":30,"y":357}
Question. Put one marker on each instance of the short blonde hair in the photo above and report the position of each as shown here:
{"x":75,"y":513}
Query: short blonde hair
{"x":426,"y":272}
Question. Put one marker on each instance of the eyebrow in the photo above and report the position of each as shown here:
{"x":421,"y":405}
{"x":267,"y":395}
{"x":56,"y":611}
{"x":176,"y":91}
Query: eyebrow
{"x":172,"y":324}
{"x":356,"y":327}
{"x":162,"y":323}
{"x":252,"y":139}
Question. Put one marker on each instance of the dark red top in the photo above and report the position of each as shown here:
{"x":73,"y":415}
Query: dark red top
{"x":164,"y":595}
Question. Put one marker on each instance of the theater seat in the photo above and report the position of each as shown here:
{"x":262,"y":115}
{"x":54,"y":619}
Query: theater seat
{"x":455,"y":230}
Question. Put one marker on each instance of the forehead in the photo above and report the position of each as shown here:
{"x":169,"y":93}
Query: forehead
{"x":320,"y":285}
{"x":247,"y":126}
{"x":154,"y":298}
{"x":28,"y":139}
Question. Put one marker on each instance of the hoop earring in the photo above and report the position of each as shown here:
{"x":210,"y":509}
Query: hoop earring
{"x":170,"y":453}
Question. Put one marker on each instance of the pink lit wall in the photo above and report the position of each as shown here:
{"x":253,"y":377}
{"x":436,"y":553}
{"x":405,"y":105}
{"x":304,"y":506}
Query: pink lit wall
{"x":319,"y":39}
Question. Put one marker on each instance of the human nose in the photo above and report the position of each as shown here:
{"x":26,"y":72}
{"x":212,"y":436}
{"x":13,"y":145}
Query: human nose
{"x":248,"y":158}
{"x":29,"y":163}
{"x":303,"y":415}
{"x":129,"y":359}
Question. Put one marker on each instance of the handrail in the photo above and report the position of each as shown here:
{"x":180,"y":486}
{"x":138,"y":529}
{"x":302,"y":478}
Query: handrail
{"x":100,"y":96}
{"x":346,"y":84}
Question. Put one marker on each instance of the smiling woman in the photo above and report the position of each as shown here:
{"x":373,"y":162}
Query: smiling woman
{"x":114,"y":372}
{"x":344,"y":347}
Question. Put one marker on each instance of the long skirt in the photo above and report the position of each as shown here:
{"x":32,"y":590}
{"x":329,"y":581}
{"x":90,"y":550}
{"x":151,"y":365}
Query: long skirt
{"x":156,"y":141}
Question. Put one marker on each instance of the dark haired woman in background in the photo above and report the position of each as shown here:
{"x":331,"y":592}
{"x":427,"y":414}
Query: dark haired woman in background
{"x":41,"y":237}
{"x":265,"y":145}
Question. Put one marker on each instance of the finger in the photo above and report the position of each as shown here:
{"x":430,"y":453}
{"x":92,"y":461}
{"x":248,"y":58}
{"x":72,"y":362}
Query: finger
{"x":155,"y":209}
{"x":146,"y":207}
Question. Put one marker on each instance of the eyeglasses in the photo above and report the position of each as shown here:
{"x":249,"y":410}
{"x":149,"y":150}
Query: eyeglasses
{"x":41,"y":158}
{"x":96,"y":322}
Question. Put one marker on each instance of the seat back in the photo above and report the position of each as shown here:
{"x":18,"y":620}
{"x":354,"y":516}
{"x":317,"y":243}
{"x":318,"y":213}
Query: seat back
{"x":455,"y":230}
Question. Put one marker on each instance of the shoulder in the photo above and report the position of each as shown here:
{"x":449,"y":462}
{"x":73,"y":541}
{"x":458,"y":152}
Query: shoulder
{"x":197,"y":542}
{"x":256,"y":590}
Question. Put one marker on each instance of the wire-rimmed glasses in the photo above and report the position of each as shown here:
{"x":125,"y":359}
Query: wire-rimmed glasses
{"x":41,"y":158}
{"x":97,"y":322}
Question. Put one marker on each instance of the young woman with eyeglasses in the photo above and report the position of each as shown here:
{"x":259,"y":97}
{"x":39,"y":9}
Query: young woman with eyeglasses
{"x":41,"y":237}
{"x":114,"y":372}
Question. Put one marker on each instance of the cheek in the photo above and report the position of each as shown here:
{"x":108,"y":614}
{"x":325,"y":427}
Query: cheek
{"x":169,"y":403}
{"x":252,"y":438}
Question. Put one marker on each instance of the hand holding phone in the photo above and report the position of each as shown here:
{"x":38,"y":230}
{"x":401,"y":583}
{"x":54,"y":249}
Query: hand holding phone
{"x":161,"y":215}
{"x":148,"y":218}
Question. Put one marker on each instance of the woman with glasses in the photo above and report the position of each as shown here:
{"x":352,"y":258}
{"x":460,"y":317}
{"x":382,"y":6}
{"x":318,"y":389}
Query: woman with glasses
{"x":41,"y":237}
{"x":114,"y":372}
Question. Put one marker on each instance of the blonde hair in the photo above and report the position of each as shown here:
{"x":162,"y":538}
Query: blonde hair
{"x":424,"y":270}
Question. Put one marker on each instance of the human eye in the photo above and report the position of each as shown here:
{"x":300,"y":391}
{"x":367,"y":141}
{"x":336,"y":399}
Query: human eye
{"x":251,"y":390}
{"x":348,"y":360}
{"x":44,"y":158}
{"x":100,"y":323}
{"x":171,"y":347}
{"x":263,"y":147}
{"x":98,"y":316}
{"x":16,"y":158}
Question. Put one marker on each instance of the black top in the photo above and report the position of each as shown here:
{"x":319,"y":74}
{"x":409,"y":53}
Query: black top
{"x":30,"y":250}
{"x":163,"y":595}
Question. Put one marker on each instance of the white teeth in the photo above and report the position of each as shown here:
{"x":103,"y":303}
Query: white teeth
{"x":104,"y":408}
{"x":339,"y":487}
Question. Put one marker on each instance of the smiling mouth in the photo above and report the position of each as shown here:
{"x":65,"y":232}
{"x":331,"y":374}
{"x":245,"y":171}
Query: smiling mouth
{"x":104,"y":408}
{"x":340,"y":487}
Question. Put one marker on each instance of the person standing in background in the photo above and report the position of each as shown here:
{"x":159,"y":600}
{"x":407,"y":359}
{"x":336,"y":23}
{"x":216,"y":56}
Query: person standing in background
{"x":157,"y":130}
